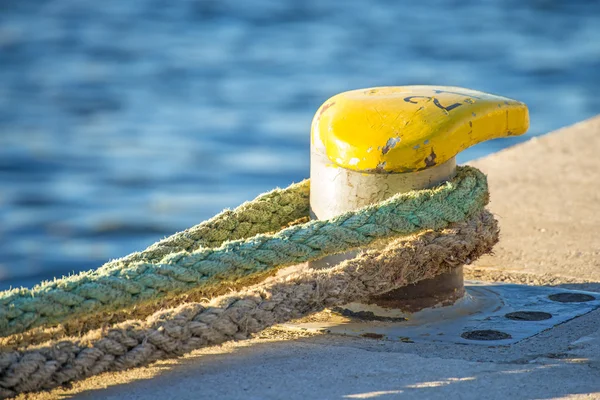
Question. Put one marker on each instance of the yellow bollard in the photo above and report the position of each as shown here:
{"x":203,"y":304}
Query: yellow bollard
{"x":369,"y":144}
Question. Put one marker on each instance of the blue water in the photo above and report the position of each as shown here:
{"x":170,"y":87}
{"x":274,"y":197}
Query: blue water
{"x":122,"y":122}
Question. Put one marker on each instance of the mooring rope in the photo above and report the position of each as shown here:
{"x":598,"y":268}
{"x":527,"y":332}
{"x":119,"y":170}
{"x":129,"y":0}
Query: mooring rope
{"x":252,"y":241}
{"x":176,"y":331}
{"x":244,"y":250}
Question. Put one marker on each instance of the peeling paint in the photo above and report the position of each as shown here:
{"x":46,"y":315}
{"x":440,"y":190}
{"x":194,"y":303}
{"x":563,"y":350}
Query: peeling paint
{"x":430,"y":159}
{"x":391,"y":143}
{"x":353,"y":161}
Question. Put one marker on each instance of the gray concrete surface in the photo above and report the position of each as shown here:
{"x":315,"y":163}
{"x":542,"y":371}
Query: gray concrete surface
{"x":546,"y":196}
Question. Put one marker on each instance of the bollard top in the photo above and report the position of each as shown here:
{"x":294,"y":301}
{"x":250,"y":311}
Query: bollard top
{"x":411,"y":128}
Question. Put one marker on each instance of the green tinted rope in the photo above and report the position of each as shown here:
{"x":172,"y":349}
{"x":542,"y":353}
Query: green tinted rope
{"x":191,"y":260}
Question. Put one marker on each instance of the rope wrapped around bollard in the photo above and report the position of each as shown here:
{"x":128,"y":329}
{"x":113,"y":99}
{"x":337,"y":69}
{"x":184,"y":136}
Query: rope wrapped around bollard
{"x":454,"y":229}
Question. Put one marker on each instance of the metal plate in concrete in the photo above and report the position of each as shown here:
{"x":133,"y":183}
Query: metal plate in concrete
{"x":491,"y":314}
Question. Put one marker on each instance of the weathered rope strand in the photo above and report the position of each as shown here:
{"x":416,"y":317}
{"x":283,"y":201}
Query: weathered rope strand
{"x":173,"y":332}
{"x":267,"y":213}
{"x":117,"y":286}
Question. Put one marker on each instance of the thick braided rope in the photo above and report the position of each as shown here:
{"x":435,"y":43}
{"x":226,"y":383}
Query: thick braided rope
{"x":113,"y":288}
{"x":173,"y":332}
{"x":266,"y":213}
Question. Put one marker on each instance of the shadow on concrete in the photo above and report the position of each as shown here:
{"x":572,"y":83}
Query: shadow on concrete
{"x":334,"y":367}
{"x":286,"y":365}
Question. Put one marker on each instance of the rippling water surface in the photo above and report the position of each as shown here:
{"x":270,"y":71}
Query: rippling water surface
{"x":125,"y":121}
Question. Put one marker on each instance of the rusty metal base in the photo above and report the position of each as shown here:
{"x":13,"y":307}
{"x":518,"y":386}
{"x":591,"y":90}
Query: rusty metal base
{"x":443,"y":290}
{"x":490,"y":314}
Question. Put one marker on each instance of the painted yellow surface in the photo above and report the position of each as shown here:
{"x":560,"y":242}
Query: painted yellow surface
{"x":410,"y":128}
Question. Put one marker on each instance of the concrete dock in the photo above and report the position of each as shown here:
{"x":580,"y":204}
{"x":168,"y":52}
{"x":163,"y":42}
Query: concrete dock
{"x":546,"y":195}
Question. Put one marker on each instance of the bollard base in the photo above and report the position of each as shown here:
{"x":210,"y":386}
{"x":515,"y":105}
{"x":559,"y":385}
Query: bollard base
{"x":490,"y":314}
{"x":440,"y":291}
